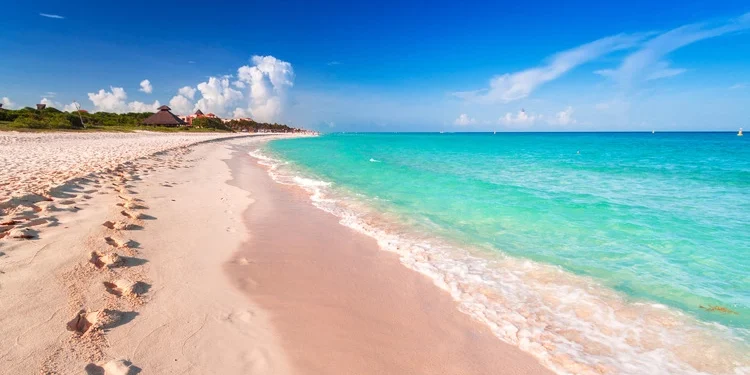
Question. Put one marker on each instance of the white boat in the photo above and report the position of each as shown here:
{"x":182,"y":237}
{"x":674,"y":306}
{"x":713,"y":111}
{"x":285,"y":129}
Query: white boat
{"x":653,"y":131}
{"x":739,"y":134}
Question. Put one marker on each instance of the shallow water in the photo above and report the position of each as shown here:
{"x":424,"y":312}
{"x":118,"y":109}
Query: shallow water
{"x":606,"y":252}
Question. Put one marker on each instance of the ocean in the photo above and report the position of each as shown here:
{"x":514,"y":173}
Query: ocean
{"x":624,"y":253}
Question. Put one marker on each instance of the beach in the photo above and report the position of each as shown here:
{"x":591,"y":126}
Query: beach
{"x":174,"y":254}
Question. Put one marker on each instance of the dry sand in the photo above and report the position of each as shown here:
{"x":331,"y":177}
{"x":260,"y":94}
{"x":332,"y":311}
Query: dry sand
{"x":115,"y":265}
{"x":122,"y":272}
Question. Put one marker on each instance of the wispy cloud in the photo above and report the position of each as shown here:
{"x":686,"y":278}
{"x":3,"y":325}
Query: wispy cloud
{"x":331,"y":63}
{"x":55,"y":16}
{"x":513,"y":86}
{"x":647,"y":62}
{"x":738,"y":86}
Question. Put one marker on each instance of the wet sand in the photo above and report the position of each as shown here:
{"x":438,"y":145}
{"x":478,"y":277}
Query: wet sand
{"x":341,"y":305}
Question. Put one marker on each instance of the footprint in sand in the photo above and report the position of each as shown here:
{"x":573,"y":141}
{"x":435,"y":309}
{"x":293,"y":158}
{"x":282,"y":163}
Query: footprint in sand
{"x":84,"y":321}
{"x":132,"y":205}
{"x":114,"y":367}
{"x":22,"y":234}
{"x":131,"y":214}
{"x":117,"y":241}
{"x":126,"y":288}
{"x":109,"y":260}
{"x":117,"y":225}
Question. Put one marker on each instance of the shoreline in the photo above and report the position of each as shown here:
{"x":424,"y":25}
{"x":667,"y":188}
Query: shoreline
{"x":345,"y":306}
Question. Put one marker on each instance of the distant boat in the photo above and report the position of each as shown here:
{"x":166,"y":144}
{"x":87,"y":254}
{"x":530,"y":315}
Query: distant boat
{"x":653,"y":131}
{"x":494,"y":132}
{"x":739,"y":134}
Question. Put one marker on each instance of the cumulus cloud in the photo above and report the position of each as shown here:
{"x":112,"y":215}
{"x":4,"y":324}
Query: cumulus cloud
{"x":115,"y":101}
{"x":7,"y":104}
{"x":181,"y":105}
{"x":647,"y":62}
{"x":109,"y":101}
{"x":464,"y":120}
{"x":187,"y":92}
{"x":72,"y":107}
{"x":146,"y":86}
{"x":50,"y":103}
{"x":520,"y":119}
{"x":513,"y":86}
{"x":564,"y":117}
{"x":143,"y":107}
{"x":267,"y":81}
{"x":217,"y":97}
{"x":57,"y":105}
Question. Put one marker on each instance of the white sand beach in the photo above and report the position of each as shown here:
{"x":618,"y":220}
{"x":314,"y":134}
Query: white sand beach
{"x":146,"y":253}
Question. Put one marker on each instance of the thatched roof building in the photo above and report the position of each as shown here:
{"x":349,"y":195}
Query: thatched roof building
{"x":164,"y":118}
{"x":198,"y":113}
{"x":41,"y":106}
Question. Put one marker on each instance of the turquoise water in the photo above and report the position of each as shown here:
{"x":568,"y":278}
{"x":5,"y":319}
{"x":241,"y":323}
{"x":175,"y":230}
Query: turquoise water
{"x":661,"y":219}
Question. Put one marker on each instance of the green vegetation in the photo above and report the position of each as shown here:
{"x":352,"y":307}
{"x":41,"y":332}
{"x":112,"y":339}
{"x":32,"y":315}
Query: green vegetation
{"x":51,"y":119}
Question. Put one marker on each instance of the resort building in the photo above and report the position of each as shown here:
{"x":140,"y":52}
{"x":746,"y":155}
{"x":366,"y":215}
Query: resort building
{"x":164,"y":117}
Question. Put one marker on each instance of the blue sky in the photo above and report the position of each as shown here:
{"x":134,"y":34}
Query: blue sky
{"x":391,"y":66}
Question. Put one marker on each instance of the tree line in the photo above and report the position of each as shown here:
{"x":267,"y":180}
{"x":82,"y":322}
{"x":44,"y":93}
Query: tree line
{"x":52,"y":118}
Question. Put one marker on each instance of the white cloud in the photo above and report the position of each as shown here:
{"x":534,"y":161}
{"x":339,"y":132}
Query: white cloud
{"x":55,"y":16}
{"x":738,"y":86}
{"x":647,"y":64}
{"x":564,"y":117}
{"x":57,"y":105}
{"x":187,"y":92}
{"x":520,"y":119}
{"x":464,"y":120}
{"x":146,"y":86}
{"x":181,"y":105}
{"x":239,"y":84}
{"x":268,"y":81}
{"x":513,"y":86}
{"x":7,"y":104}
{"x":143,"y":107}
{"x":332,"y":63}
{"x":70,"y":107}
{"x":217,"y":97}
{"x":109,"y":101}
{"x":50,"y":103}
